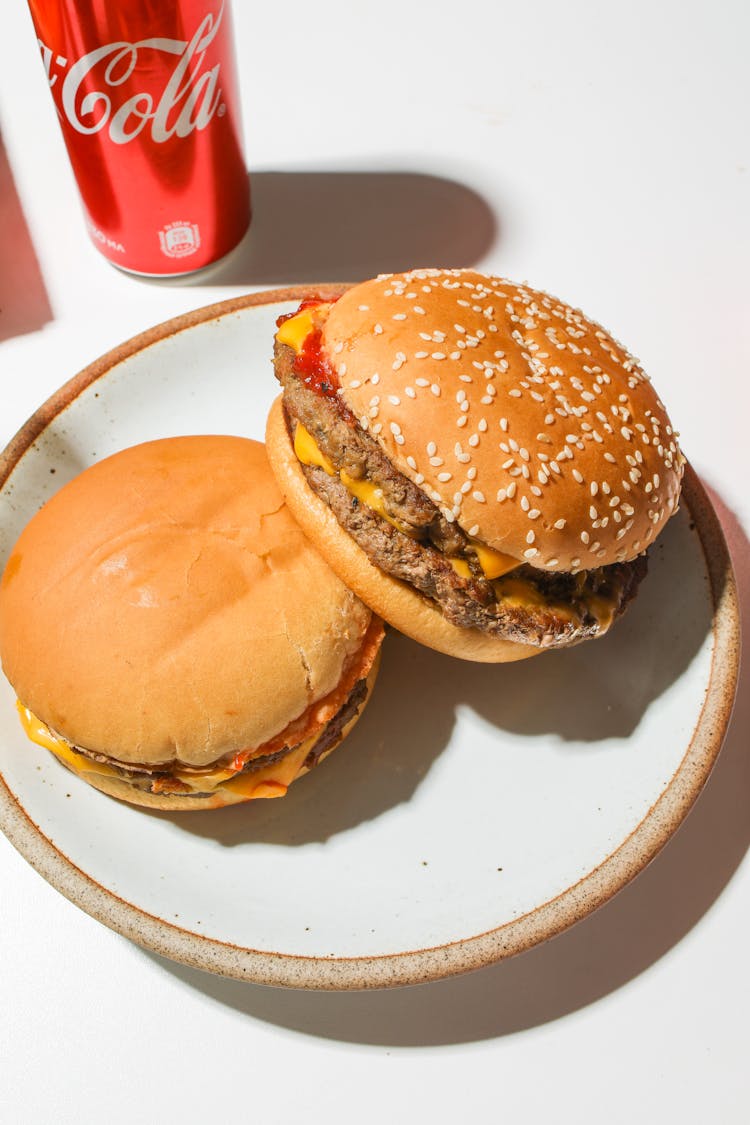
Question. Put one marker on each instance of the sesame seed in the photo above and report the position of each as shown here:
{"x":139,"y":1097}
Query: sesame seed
{"x":511,"y":490}
{"x":399,"y":316}
{"x":559,"y":524}
{"x":399,"y":439}
{"x":474,"y":529}
{"x":578,"y":476}
{"x":377,"y":329}
{"x":438,"y":355}
{"x":421,"y":355}
{"x":530,"y":537}
{"x":394,"y":400}
{"x":375,"y":379}
{"x":530,"y":553}
{"x":422,"y":382}
{"x":435,"y":389}
{"x":436,"y":461}
{"x":478,"y":496}
{"x":443,"y":477}
{"x":410,"y":392}
{"x":395,"y":428}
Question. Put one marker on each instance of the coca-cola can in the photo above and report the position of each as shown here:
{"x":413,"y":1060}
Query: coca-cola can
{"x":147,"y":96}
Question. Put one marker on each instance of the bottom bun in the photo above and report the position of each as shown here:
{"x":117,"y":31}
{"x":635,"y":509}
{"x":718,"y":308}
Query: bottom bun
{"x":393,"y":600}
{"x":222,"y":796}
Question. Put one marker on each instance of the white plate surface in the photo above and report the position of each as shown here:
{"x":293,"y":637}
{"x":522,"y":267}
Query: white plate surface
{"x":475,"y":809}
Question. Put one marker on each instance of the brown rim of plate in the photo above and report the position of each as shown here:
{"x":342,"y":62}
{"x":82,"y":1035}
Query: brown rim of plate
{"x":413,"y":966}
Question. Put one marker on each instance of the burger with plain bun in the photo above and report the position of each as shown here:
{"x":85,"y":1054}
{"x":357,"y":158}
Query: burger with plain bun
{"x":172,"y":636}
{"x":481,"y":463}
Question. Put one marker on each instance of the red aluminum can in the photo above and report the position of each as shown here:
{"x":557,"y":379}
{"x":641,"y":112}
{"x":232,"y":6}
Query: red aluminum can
{"x":147,"y":96}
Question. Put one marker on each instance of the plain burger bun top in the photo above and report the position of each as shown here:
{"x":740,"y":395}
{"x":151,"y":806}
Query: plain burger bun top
{"x":522,"y":419}
{"x":165,"y":607}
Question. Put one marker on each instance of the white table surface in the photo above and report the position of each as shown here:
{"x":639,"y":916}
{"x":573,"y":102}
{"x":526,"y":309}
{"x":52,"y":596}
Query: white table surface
{"x":596,"y":150}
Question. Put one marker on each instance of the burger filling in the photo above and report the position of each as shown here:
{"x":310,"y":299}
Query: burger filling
{"x":263,"y":772}
{"x":406,"y":535}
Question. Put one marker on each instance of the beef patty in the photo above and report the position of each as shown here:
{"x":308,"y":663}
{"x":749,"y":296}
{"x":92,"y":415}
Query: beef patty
{"x":528,"y":606}
{"x":158,"y":780}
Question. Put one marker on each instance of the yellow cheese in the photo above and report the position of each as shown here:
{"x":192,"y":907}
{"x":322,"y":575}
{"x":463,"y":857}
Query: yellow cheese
{"x":273,"y":780}
{"x":308,"y":451}
{"x":520,"y":593}
{"x":372,"y":496}
{"x":293,"y":332}
{"x":602,"y":609}
{"x":39,"y":733}
{"x":493,"y":563}
{"x":269,"y":781}
{"x":461,"y":567}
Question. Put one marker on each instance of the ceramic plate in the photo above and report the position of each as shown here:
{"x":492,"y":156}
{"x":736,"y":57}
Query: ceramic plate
{"x":475,"y":810}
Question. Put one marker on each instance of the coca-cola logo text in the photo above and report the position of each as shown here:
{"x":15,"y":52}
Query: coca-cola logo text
{"x":189,"y":100}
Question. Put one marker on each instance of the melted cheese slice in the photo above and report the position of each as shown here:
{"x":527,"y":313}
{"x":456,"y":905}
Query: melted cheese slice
{"x":521,"y":593}
{"x":294,"y":331}
{"x":493,"y":563}
{"x":269,"y":781}
{"x":309,"y":452}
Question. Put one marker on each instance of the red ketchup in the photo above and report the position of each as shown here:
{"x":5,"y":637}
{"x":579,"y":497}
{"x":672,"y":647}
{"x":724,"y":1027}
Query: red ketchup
{"x":313,"y":367}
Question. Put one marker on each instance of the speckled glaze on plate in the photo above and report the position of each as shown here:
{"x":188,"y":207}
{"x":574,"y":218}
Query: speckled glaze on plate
{"x":475,"y":811}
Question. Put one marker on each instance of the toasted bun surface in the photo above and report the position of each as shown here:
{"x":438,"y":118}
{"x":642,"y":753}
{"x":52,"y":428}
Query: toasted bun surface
{"x":391,"y":599}
{"x":164,"y":608}
{"x":523,"y":420}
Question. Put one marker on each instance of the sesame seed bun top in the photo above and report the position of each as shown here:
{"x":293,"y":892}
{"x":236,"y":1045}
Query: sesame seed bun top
{"x":522,"y":419}
{"x":164,"y":607}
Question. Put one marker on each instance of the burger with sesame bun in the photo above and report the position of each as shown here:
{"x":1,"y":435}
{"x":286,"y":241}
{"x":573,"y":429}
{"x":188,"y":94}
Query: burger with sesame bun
{"x":481,"y":463}
{"x":172,"y":636}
